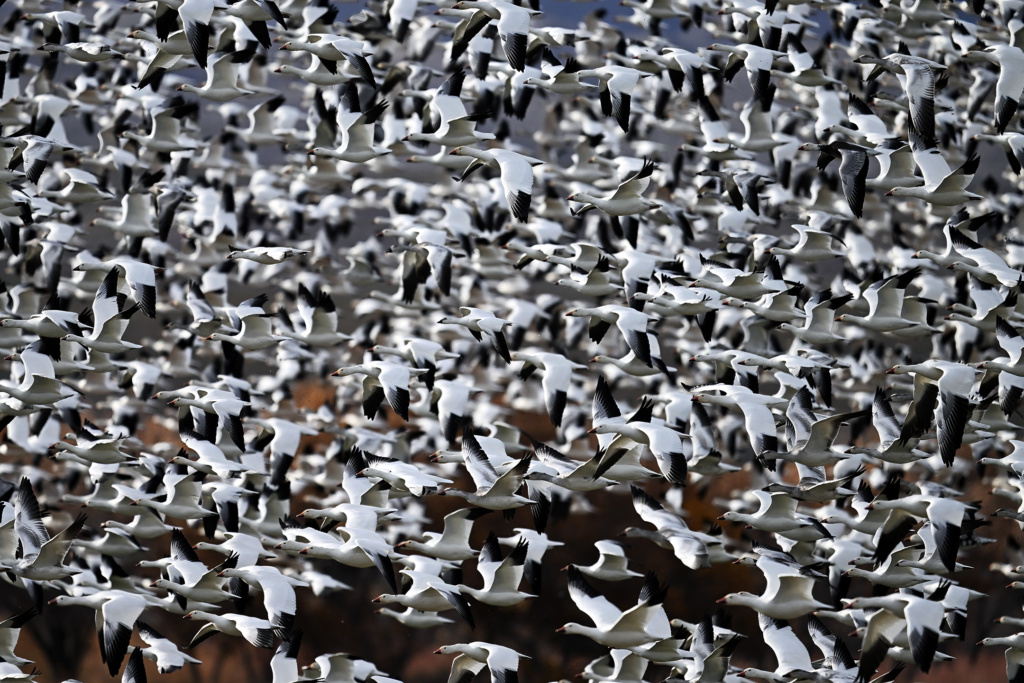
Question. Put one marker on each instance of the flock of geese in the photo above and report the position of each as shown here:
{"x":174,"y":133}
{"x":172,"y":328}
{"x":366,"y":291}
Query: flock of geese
{"x":583,"y":271}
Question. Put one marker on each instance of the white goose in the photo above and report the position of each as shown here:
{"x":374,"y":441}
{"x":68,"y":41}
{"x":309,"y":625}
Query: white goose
{"x":638,"y":626}
{"x":516,"y":175}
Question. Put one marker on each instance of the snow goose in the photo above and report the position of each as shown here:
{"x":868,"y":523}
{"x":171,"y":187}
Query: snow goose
{"x":571,"y":475}
{"x":414,"y":618}
{"x":820,"y":316}
{"x":429,"y":593}
{"x":502,"y":576}
{"x":477,"y":321}
{"x":332,"y":48}
{"x":791,"y":655}
{"x":359,"y":548}
{"x":891,"y":574}
{"x":516,"y":175}
{"x":1011,"y":371}
{"x":402,"y":476}
{"x":917,"y":76}
{"x":885,"y":303}
{"x":211,"y":459}
{"x":283,"y":665}
{"x":455,"y":126}
{"x":82,"y":188}
{"x":557,"y":378}
{"x":452,"y":543}
{"x":615,"y":88}
{"x":945,"y":515}
{"x":680,"y":63}
{"x":778,"y":307}
{"x":116,"y":614}
{"x":501,"y":661}
{"x":626,"y":200}
{"x":420,"y":353}
{"x":278,"y":591}
{"x":67,"y":22}
{"x":356,"y":126}
{"x":166,"y":654}
{"x":688,"y":546}
{"x":961,"y":222}
{"x":788,"y":594}
{"x":758,"y":62}
{"x":189,"y":578}
{"x":42,"y":557}
{"x":558,"y":78}
{"x":165,"y":134}
{"x":778,"y":514}
{"x":921,"y":617}
{"x":196,"y":17}
{"x":952,"y":384}
{"x":934,"y":559}
{"x":853,"y":169}
{"x":1012,"y":462}
{"x":83,"y":52}
{"x":942,"y":186}
{"x":611,"y":565}
{"x":617,"y":665}
{"x":258,"y":632}
{"x":450,"y":399}
{"x":34,"y":152}
{"x":10,"y":630}
{"x":265,"y":255}
{"x":248,"y":548}
{"x":1010,"y":86}
{"x":383,"y":380}
{"x":631,"y":323}
{"x":664,"y":443}
{"x":227,"y":408}
{"x":757,"y":415}
{"x":223,"y":83}
{"x":1014,"y":663}
{"x":352,"y":515}
{"x":136,"y":217}
{"x":109,"y":320}
{"x":733,"y":282}
{"x":810,"y":438}
{"x":493,"y":492}
{"x":637,"y":626}
{"x":141,"y":279}
{"x":867,"y":127}
{"x":814,"y":487}
{"x":513,"y":26}
{"x":319,"y":316}
{"x":254,"y":332}
{"x":317,"y":74}
{"x":538,"y":545}
{"x":181,"y":500}
{"x":813,"y":245}
{"x":104,"y":451}
{"x":896,"y":167}
{"x":982,"y":263}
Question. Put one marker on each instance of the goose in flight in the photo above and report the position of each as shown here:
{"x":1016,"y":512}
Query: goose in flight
{"x":513,"y":26}
{"x":627,"y":198}
{"x":516,"y":175}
